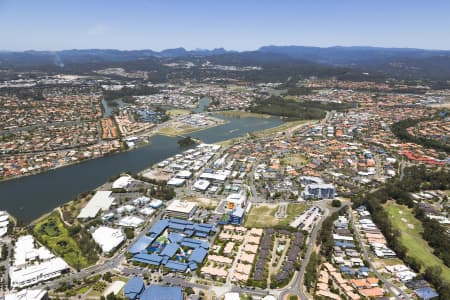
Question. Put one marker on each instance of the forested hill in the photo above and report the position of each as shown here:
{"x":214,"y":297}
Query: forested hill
{"x":310,"y":61}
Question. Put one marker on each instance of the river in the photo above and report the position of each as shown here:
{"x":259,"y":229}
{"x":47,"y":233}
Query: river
{"x":29,"y":197}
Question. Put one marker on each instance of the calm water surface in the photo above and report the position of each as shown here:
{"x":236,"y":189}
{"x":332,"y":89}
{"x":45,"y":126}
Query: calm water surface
{"x":29,"y":197}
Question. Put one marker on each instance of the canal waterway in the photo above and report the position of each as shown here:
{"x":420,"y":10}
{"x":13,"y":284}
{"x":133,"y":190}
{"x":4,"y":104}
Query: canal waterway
{"x":29,"y":197}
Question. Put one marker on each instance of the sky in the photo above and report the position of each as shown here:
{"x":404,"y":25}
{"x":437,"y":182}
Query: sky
{"x":231,"y":24}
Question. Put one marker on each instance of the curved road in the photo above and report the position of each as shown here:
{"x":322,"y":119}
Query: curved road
{"x":296,"y":285}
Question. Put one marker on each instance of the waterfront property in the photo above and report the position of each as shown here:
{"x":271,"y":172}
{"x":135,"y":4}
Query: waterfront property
{"x":54,"y":188}
{"x":102,"y":200}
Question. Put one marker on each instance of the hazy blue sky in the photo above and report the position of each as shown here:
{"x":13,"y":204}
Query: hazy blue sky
{"x":232,"y":24}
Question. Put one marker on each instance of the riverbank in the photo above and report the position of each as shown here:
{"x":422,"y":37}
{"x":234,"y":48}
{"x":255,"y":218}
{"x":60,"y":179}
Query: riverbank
{"x":72,"y":163}
{"x":166,"y":131}
{"x":29,"y":197}
{"x":243,"y":114}
{"x":176,"y":132}
{"x":287,"y":126}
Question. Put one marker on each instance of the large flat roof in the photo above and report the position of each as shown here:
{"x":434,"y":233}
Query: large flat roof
{"x":157,"y":292}
{"x":181,"y":206}
{"x":108,"y":238}
{"x":102,"y":200}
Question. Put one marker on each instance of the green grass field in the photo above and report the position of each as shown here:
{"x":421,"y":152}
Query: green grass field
{"x":55,"y":236}
{"x":404,"y":220}
{"x":263,"y":216}
{"x":178,"y":112}
{"x":283,"y":127}
{"x":242,"y":114}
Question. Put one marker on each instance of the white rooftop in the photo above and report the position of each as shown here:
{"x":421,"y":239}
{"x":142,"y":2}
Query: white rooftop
{"x":232,"y":296}
{"x":181,"y":206}
{"x":201,"y":184}
{"x":37,"y":294}
{"x":108,"y":238}
{"x":122,"y":182}
{"x":30,"y":275}
{"x":130,"y":221}
{"x":176,"y":181}
{"x":102,"y":200}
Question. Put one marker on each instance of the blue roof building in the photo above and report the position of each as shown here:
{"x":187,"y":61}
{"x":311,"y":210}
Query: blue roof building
{"x":207,"y":228}
{"x":176,"y":265}
{"x":180,"y":221}
{"x":141,"y":244}
{"x":176,"y":226}
{"x":151,"y":259}
{"x":193,"y":243}
{"x":159,"y":227}
{"x":198,"y":255}
{"x":157,"y":292}
{"x":426,"y":293}
{"x":192,"y":266}
{"x":175,"y":237}
{"x":170,"y":250}
{"x":201,"y":234}
{"x":146,"y":250}
{"x":347,"y":270}
{"x":363,"y":270}
{"x":134,"y":288}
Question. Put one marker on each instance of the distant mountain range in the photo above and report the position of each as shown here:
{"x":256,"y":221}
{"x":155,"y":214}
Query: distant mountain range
{"x":402,"y":62}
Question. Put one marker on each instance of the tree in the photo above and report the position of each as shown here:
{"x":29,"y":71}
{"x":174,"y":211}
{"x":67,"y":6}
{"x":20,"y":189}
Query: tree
{"x":129,"y":233}
{"x":186,"y":142}
{"x":107,"y":276}
{"x":336,"y":203}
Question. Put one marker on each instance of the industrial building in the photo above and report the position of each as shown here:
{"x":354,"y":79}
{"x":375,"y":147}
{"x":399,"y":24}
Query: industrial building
{"x":122,"y":182}
{"x":201,"y":185}
{"x":102,"y":200}
{"x":108,"y":238}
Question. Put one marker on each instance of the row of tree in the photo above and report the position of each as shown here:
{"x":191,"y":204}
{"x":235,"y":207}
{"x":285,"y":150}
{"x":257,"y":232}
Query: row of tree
{"x":295,"y":110}
{"x":127,"y":92}
{"x":416,"y":178}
